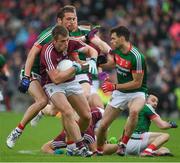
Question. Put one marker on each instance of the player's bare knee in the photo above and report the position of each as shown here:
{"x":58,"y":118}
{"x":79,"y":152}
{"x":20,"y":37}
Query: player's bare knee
{"x":166,"y":136}
{"x":42,"y":102}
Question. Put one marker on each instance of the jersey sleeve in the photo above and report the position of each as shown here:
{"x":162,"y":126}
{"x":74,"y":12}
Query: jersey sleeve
{"x":43,"y":38}
{"x":150,"y":112}
{"x":138,"y":63}
{"x":49,"y":58}
{"x":75,"y":45}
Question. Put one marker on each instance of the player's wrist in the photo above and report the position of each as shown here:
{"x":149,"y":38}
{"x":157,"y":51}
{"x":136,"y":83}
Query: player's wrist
{"x":26,"y":77}
{"x":77,"y":67}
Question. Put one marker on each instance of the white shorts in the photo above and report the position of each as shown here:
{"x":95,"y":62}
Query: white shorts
{"x":82,"y":78}
{"x":120,"y":100}
{"x":68,"y":88}
{"x":95,"y":86}
{"x":137,"y":143}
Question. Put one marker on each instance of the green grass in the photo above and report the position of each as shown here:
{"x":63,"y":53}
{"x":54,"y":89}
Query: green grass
{"x":49,"y":127}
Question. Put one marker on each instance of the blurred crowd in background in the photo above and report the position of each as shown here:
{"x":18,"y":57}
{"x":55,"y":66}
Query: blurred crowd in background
{"x":155,"y":27}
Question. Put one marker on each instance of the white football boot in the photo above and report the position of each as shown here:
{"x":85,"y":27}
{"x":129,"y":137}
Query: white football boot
{"x":12,"y":138}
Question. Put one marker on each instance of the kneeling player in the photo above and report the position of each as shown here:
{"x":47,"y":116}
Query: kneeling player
{"x":55,"y":146}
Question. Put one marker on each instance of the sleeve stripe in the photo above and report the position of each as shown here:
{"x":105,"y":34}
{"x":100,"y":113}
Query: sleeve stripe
{"x":89,"y":138}
{"x":48,"y":57}
{"x":41,"y":39}
{"x":138,"y":59}
{"x":38,"y":45}
{"x":152,"y":109}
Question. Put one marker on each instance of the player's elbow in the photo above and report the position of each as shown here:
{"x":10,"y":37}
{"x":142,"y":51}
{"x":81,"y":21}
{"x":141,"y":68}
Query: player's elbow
{"x":137,"y":84}
{"x":93,"y":52}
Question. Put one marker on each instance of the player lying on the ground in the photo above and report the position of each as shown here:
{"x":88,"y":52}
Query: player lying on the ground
{"x":54,"y":146}
{"x":145,"y":143}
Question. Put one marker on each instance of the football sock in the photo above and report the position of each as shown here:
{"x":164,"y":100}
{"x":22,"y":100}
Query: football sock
{"x":100,"y":149}
{"x":20,"y":127}
{"x":150,"y":148}
{"x":125,"y":139}
{"x":80,"y":143}
{"x":71,"y":144}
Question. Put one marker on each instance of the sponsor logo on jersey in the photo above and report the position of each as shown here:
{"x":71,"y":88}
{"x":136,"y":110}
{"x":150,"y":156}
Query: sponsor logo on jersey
{"x":122,"y":62}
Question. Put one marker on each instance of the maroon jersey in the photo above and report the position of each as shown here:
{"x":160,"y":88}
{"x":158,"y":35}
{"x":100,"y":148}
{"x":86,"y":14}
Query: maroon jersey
{"x":50,"y":58}
{"x":96,"y":116}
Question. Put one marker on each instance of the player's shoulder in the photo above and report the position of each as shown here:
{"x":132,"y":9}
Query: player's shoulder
{"x":148,"y":107}
{"x":47,"y":48}
{"x":45,"y":34}
{"x":46,"y":31}
{"x":136,"y":52}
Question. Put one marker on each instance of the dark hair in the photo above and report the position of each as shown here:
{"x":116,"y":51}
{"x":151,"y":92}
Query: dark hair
{"x":65,"y":9}
{"x":121,"y":31}
{"x":59,"y":30}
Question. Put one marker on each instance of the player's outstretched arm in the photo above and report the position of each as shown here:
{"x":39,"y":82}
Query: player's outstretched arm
{"x":30,"y":59}
{"x":93,"y":38}
{"x":102,"y":45}
{"x":164,"y":124}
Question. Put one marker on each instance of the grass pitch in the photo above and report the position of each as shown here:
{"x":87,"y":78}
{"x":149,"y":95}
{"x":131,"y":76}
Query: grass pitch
{"x":28,"y":146}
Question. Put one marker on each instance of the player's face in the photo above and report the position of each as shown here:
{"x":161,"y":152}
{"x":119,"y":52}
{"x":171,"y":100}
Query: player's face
{"x":115,"y":41}
{"x":70,"y":21}
{"x":61,"y":44}
{"x":152,"y":100}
